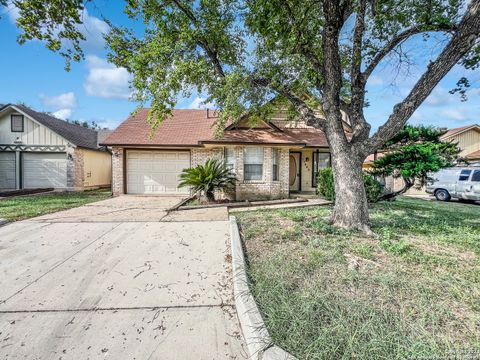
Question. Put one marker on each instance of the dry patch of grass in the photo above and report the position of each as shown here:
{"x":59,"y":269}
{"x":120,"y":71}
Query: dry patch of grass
{"x":411,"y":292}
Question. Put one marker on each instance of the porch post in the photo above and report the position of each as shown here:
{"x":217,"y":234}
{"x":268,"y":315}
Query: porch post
{"x":284,"y":172}
{"x":239,"y":171}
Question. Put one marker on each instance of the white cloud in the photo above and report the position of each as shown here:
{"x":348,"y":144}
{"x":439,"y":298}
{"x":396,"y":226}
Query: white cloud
{"x":91,"y":27}
{"x":199,"y":103}
{"x":63,"y":114}
{"x":438,"y":97}
{"x":13,"y":12}
{"x":105,"y":80}
{"x":375,"y":80}
{"x":94,"y":29}
{"x":453,"y":114}
{"x":65,"y":100}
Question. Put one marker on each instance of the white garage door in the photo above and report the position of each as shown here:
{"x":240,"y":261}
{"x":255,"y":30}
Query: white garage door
{"x":7,"y":170}
{"x":44,"y":170}
{"x":156,"y":172}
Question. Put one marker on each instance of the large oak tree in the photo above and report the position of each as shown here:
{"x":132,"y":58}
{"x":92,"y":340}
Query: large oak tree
{"x":243,"y":53}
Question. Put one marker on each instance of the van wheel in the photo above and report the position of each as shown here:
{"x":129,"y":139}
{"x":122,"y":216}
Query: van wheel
{"x":442,"y":195}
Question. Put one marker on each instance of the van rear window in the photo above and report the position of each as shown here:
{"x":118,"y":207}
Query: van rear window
{"x":464,"y":175}
{"x":476,"y":175}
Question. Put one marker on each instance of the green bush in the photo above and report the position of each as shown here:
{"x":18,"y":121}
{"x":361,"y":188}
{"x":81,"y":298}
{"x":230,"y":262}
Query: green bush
{"x":213,"y":175}
{"x":326,"y":186}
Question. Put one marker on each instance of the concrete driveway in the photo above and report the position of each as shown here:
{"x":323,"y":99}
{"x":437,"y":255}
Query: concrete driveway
{"x":118,"y":279}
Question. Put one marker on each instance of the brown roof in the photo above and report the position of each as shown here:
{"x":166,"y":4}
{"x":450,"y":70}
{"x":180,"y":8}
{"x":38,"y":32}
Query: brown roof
{"x":184,"y":128}
{"x":455,"y":131}
{"x":311,"y":137}
{"x":194,"y":128}
{"x":474,"y":156}
{"x":256,"y":136}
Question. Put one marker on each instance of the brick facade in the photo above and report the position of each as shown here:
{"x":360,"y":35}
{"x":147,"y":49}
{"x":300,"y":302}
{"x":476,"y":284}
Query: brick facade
{"x":266,"y":188}
{"x":74,"y":168}
{"x":117,"y":171}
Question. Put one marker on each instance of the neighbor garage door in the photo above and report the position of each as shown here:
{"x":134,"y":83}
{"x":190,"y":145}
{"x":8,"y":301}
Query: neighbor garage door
{"x":44,"y":170}
{"x":156,"y":172}
{"x":7,"y":170}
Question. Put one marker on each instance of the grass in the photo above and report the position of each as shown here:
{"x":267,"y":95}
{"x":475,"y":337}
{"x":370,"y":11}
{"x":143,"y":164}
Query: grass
{"x":24,"y":207}
{"x":412,"y":292}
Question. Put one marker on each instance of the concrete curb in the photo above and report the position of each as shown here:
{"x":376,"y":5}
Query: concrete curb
{"x":258,"y":340}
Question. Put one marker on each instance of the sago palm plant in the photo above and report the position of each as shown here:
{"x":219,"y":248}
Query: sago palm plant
{"x":213,"y":175}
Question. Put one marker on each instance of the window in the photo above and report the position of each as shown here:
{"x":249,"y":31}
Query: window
{"x":276,"y":161}
{"x":17,"y":122}
{"x":464,"y":175}
{"x":230,"y":158}
{"x":253,"y":163}
{"x":321,"y":160}
{"x":476,"y":175}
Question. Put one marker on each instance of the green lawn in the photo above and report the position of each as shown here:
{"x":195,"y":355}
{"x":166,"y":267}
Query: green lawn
{"x":24,"y":207}
{"x":413,"y":292}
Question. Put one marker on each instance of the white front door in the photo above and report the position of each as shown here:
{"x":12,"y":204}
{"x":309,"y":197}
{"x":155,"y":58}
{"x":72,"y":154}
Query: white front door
{"x":156,"y":172}
{"x":44,"y":170}
{"x":7,"y":170}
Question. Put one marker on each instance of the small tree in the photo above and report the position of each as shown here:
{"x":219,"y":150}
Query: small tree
{"x":214,"y":175}
{"x":414,"y":153}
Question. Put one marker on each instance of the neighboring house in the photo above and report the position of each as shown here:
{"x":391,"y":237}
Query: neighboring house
{"x":468,"y":140}
{"x":38,"y":150}
{"x":271,"y":159}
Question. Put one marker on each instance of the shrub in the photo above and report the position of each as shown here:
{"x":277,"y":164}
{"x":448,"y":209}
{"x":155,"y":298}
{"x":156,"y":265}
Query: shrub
{"x":326,"y":186}
{"x":213,"y":175}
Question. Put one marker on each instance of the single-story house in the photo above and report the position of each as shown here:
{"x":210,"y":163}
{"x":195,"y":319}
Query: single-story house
{"x":38,"y":151}
{"x":270,"y":159}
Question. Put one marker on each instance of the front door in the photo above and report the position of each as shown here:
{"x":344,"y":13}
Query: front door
{"x":294,"y":171}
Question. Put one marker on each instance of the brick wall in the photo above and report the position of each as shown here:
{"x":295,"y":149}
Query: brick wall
{"x":200,"y":156}
{"x":265,"y":188}
{"x":117,"y":171}
{"x":74,"y":168}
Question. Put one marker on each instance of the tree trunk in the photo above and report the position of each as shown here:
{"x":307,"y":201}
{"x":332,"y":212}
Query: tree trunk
{"x":394,"y":194}
{"x":351,"y":207}
{"x":210,"y":195}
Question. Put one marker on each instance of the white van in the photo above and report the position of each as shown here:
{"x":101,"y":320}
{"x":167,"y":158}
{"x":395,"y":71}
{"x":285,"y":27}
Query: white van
{"x":459,"y":182}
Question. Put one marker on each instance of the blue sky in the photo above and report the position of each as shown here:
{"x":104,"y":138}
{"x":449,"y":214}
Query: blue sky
{"x":97,"y":91}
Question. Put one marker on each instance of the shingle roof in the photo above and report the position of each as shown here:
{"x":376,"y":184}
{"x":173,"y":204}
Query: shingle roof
{"x":256,"y":136}
{"x":75,"y":134}
{"x":184,"y":128}
{"x":194,"y":128}
{"x":455,"y":131}
{"x":474,"y":155}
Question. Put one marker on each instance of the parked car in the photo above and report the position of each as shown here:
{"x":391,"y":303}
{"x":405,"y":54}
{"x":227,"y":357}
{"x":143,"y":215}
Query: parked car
{"x":460,"y":182}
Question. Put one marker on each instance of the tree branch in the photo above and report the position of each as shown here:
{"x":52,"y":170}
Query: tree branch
{"x":308,"y":114}
{"x":360,"y":126}
{"x":400,"y":38}
{"x":462,"y":41}
{"x":203,"y":43}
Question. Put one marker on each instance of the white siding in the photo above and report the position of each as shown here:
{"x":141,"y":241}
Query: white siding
{"x":44,"y":170}
{"x":7,"y":170}
{"x":33,"y":133}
